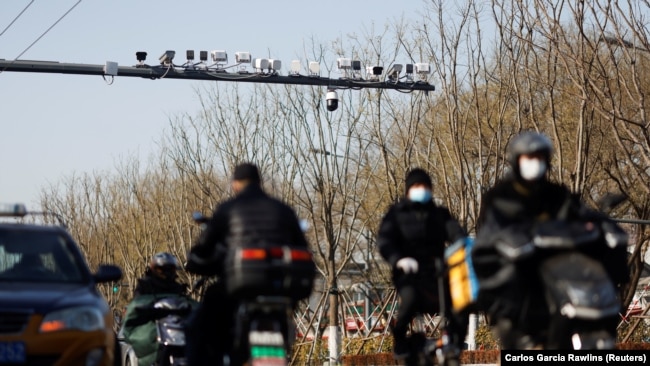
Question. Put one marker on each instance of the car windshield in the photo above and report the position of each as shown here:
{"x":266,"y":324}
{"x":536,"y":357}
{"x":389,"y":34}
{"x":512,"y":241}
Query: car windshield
{"x":37,"y":256}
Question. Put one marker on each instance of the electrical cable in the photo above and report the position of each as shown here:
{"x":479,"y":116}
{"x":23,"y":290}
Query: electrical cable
{"x":169,"y":67}
{"x":107,"y":81}
{"x":16,"y":18}
{"x":233,"y":76}
{"x":48,"y":29}
{"x":42,"y":35}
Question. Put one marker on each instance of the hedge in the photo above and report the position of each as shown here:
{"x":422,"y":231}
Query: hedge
{"x":466,"y":357}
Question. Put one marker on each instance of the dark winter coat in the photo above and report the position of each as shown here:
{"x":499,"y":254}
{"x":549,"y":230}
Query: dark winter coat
{"x":510,"y":202}
{"x":250,"y":219}
{"x":420,"y":231}
{"x":517,"y":207}
{"x":152,"y":285}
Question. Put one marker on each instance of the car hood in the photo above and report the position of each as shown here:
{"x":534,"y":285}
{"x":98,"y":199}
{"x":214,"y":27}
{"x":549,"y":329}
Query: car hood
{"x":42,"y":298}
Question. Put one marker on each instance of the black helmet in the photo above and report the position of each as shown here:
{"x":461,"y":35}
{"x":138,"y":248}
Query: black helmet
{"x":164,"y":265}
{"x":528,"y":142}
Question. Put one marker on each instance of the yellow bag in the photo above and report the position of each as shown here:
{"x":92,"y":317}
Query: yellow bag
{"x":463,"y":283}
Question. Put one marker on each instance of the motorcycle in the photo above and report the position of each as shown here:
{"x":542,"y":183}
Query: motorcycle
{"x":263,"y":332}
{"x":266,"y":282}
{"x":169,"y":315}
{"x":577,"y":307}
{"x":153,"y":328}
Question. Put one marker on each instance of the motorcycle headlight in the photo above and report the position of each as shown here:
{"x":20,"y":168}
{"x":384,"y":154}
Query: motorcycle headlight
{"x":84,"y":318}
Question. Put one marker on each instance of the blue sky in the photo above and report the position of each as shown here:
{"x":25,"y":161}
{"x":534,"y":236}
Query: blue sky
{"x":56,"y":125}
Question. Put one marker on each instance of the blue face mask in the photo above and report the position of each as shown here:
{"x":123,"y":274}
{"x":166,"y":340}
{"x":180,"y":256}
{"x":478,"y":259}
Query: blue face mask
{"x":419,"y":194}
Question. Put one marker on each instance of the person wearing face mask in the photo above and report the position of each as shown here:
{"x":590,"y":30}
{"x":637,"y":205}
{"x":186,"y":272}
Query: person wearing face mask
{"x":412,"y":235}
{"x":518,"y":203}
{"x":525,"y":194}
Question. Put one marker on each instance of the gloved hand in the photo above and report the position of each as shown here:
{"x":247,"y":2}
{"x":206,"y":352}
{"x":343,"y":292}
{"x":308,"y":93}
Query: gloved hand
{"x":408,"y":265}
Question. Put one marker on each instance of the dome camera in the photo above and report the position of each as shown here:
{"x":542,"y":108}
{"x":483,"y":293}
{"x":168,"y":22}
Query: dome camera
{"x":332,"y":100}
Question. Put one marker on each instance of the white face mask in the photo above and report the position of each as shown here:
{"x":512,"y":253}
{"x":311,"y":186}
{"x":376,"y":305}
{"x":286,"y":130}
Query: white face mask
{"x":419,"y":194}
{"x":531,"y":169}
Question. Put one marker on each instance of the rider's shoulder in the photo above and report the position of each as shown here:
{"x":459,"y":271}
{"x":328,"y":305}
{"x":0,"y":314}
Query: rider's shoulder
{"x":501,"y":188}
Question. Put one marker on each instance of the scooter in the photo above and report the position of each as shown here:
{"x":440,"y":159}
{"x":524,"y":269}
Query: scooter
{"x":262,"y":332}
{"x":577,"y":304}
{"x":170,"y":331}
{"x":265,"y":282}
{"x":422,"y":350}
{"x":581,"y":298}
{"x":169,"y":315}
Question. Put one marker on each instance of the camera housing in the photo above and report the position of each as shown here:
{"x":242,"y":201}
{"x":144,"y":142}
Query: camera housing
{"x":219,"y":56}
{"x":167,"y":57}
{"x":393,"y":72}
{"x":332,"y":99}
{"x":141,"y":56}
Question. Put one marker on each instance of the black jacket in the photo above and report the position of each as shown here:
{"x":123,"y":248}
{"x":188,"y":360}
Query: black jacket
{"x":416,"y":230}
{"x":152,"y":285}
{"x":252,"y":218}
{"x":510,"y":202}
{"x":519,"y":208}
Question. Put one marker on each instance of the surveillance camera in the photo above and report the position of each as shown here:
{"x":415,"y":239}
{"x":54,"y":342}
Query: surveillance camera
{"x":203,"y":56}
{"x":141,"y":56}
{"x":275,"y":65}
{"x":393,"y":72}
{"x":219,"y":56}
{"x":423,"y":68}
{"x":167,"y":57}
{"x":332,"y":100}
{"x":243,"y":57}
{"x":373,"y":72}
{"x":344,"y":63}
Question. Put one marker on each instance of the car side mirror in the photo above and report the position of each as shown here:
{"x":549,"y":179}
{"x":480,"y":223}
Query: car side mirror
{"x":107,"y":273}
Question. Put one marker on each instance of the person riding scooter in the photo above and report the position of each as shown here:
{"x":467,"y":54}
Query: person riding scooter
{"x":158,"y":282}
{"x":516,"y":207}
{"x":251,"y":218}
{"x":412,"y":237}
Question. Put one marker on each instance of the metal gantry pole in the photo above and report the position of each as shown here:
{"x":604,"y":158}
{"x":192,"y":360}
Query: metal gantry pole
{"x":208,"y":74}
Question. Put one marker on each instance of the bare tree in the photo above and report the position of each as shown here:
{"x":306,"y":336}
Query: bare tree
{"x":574,"y":70}
{"x":590,"y":101}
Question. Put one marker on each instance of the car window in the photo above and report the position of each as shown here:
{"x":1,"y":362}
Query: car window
{"x":37,"y":256}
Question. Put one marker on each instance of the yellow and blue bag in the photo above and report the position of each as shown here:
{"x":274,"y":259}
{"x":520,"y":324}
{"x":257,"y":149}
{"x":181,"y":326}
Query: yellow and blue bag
{"x":463,"y":283}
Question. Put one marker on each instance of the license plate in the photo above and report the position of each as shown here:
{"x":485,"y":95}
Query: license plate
{"x":12,"y":352}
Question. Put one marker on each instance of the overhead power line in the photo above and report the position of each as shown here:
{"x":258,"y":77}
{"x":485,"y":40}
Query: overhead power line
{"x":16,"y":18}
{"x":48,"y":29}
